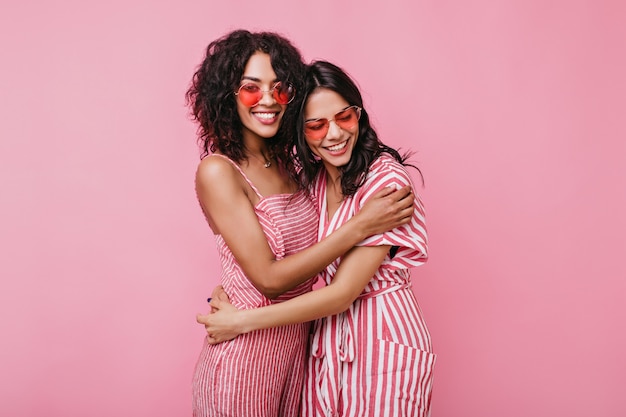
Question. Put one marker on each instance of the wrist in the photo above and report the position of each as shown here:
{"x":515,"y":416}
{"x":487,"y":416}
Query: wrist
{"x":359,"y":228}
{"x":242,"y":322}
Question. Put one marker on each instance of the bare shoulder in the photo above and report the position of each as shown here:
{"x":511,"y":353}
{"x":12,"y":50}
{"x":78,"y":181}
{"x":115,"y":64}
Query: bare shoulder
{"x":220,"y":189}
{"x":215,"y":168}
{"x":218,"y":175}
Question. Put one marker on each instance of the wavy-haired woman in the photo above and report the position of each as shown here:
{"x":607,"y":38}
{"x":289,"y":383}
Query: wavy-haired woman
{"x":371,"y":351}
{"x":244,"y":97}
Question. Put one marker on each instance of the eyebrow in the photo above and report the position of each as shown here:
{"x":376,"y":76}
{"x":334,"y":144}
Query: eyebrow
{"x":258,"y":80}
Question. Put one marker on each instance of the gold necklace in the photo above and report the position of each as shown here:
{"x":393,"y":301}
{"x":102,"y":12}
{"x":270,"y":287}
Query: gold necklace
{"x":266,"y":164}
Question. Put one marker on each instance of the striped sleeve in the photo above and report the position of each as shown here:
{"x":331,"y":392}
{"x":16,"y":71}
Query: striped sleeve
{"x":411,"y":239}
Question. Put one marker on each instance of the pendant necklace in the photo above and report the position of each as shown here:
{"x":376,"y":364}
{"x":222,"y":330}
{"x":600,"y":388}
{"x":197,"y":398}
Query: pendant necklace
{"x":266,"y":164}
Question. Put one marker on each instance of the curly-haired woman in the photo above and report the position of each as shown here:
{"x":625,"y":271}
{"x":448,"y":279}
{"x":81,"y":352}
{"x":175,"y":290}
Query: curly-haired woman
{"x":244,"y":97}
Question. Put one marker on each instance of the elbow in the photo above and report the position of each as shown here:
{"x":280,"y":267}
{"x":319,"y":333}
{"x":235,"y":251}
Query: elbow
{"x":342,"y":299}
{"x":270,"y":292}
{"x":343,"y":306}
{"x":337,"y":307}
{"x":265,"y":281}
{"x":268,"y":289}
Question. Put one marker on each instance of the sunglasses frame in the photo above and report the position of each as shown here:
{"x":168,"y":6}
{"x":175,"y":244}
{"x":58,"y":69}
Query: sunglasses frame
{"x":274,"y":90}
{"x":326,"y":125}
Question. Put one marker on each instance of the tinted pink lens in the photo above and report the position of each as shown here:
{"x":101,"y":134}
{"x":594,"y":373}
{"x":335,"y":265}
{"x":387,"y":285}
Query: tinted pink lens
{"x":283,"y":93}
{"x":345,"y":119}
{"x":316,"y":129}
{"x":250,"y":95}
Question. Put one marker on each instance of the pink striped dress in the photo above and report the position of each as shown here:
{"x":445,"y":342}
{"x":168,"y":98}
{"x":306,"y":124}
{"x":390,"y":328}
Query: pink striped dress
{"x":259,"y":374}
{"x":375,"y":359}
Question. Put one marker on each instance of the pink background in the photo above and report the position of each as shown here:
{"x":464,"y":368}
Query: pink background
{"x":517,"y":111}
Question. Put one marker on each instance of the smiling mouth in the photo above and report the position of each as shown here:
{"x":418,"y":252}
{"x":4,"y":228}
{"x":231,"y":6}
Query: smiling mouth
{"x":266,"y":115}
{"x":337,"y":147}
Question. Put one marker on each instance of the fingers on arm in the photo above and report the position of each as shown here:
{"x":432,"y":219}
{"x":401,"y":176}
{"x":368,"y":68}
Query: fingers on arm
{"x":201,"y":318}
{"x":215,"y":303}
{"x":384,"y":192}
{"x":218,"y":292}
{"x":402,"y":208}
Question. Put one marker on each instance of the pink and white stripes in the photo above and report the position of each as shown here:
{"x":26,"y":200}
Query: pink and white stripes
{"x":259,"y":374}
{"x":375,"y":359}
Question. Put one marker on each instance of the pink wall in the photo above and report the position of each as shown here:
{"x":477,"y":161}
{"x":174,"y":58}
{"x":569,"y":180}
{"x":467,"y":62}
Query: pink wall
{"x":517,"y":112}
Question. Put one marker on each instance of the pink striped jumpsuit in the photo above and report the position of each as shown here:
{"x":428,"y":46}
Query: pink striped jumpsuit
{"x":375,"y":359}
{"x":259,"y":374}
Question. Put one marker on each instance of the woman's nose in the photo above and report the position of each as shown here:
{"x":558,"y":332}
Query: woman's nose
{"x":334,"y":131}
{"x":267,"y":98}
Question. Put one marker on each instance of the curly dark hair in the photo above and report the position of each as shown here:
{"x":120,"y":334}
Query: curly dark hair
{"x":323,"y":74}
{"x":212,"y":100}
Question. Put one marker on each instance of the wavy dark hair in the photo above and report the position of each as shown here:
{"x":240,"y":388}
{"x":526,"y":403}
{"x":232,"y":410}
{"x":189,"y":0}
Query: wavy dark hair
{"x":323,"y":74}
{"x":212,"y":100}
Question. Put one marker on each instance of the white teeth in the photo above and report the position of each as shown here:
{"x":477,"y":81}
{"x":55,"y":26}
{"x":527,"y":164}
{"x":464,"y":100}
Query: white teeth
{"x":266,"y":116}
{"x":337,"y":147}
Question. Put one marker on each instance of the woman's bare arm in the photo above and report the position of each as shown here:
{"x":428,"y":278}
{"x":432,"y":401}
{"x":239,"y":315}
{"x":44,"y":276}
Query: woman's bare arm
{"x":230,"y":213}
{"x":355,"y":271}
